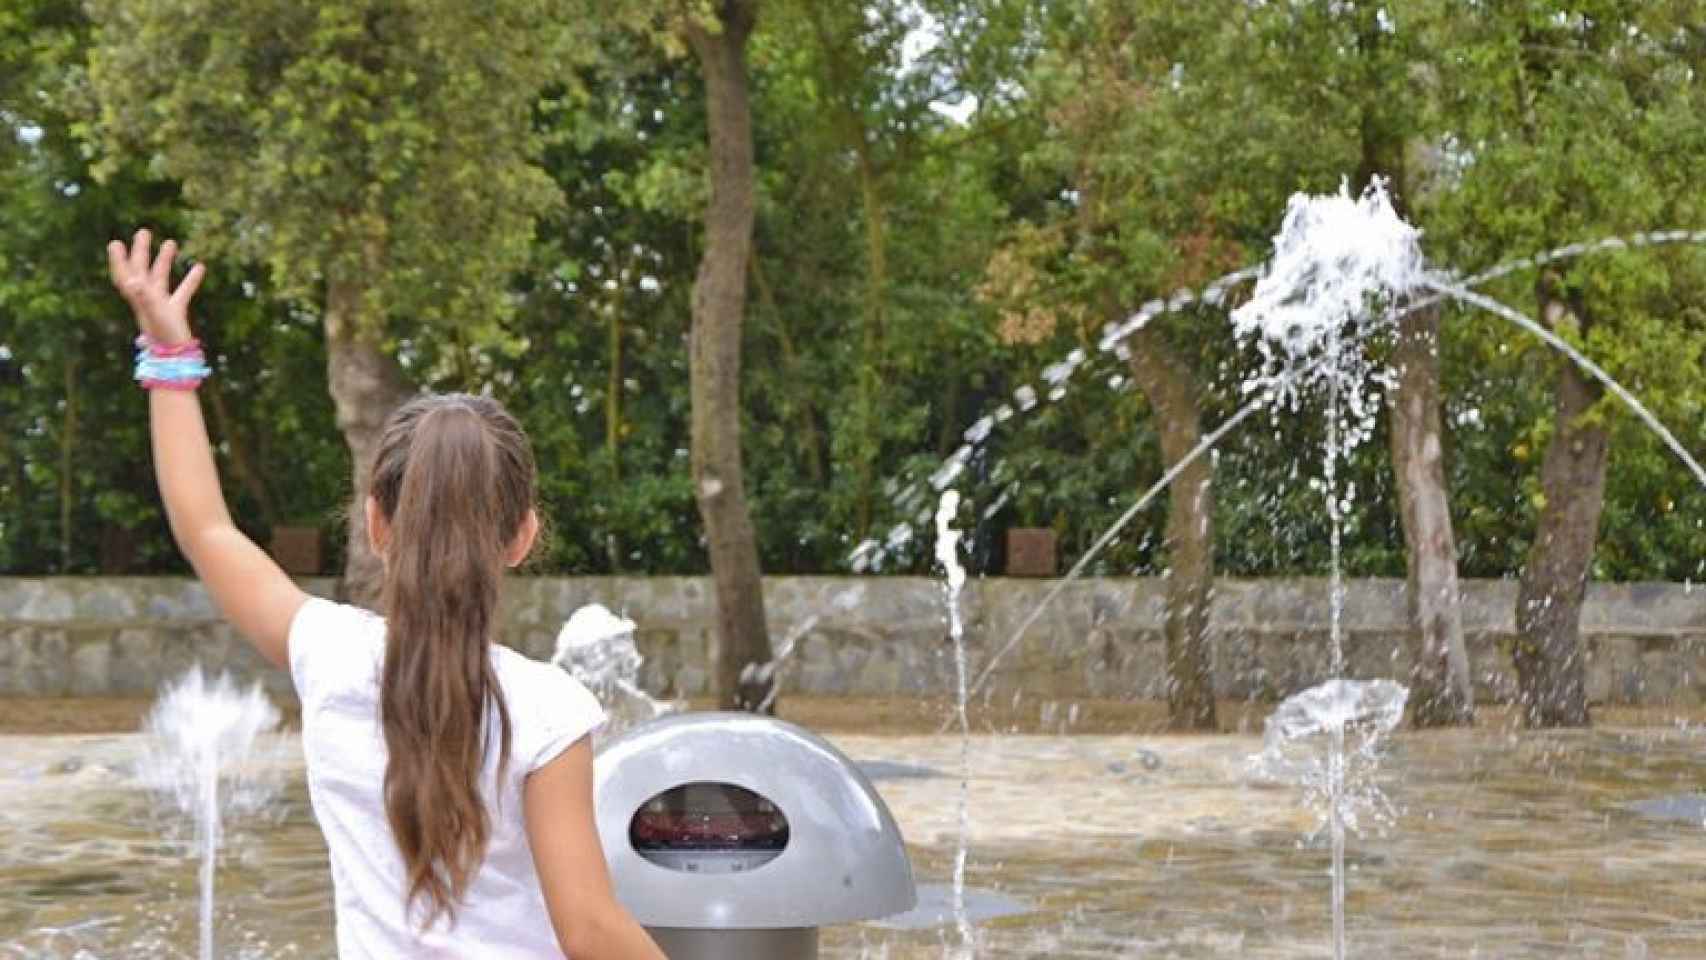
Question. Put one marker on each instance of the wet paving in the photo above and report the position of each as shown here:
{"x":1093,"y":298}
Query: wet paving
{"x":1507,"y":845}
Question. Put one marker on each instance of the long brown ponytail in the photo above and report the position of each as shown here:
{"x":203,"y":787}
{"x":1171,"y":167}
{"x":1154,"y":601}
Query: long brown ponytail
{"x":454,"y":478}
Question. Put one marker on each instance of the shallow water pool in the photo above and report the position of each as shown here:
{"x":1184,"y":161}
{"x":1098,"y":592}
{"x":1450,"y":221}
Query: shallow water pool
{"x":1577,"y":844}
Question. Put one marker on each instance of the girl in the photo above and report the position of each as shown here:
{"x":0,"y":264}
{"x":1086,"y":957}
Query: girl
{"x":452,"y":776}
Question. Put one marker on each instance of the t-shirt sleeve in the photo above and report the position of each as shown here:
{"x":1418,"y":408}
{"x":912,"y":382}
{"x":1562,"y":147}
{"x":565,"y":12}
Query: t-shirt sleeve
{"x":563,"y":711}
{"x":321,"y":633}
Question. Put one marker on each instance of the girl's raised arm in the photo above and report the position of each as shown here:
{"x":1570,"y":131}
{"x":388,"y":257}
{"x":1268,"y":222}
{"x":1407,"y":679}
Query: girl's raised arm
{"x":248,"y":587}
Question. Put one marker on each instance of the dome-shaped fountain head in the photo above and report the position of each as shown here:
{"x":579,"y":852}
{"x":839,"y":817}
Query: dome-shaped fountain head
{"x":736,"y":822}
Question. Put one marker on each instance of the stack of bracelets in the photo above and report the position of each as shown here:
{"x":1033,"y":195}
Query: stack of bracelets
{"x":180,"y":366}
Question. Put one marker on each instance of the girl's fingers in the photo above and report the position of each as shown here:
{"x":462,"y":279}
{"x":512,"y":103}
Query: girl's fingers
{"x":139,"y":252}
{"x":161,"y":273}
{"x":117,"y":263}
{"x":192,"y":283}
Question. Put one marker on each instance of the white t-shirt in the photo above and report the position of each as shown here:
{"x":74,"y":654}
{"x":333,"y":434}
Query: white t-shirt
{"x":336,"y":653}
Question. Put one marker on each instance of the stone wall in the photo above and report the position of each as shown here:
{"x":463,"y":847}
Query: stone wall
{"x":1646,"y":643}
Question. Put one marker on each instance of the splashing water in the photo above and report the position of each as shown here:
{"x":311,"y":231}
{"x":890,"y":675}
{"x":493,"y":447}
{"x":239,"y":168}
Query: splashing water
{"x":1368,"y":218}
{"x":597,"y":648}
{"x":1362,"y":711}
{"x":1339,"y":782}
{"x":1344,"y":271}
{"x":910,"y":499}
{"x":947,"y":556}
{"x":769,"y":673}
{"x":201,"y":735}
{"x":1338,"y":266}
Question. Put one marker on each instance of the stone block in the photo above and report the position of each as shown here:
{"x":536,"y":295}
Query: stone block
{"x":879,"y":675}
{"x":46,"y":601}
{"x":179,"y":601}
{"x":1660,"y":680}
{"x":15,"y":595}
{"x":92,"y":662}
{"x":1610,"y":670}
{"x":539,"y":644}
{"x":521,"y":602}
{"x":1493,"y":670}
{"x":34,"y":662}
{"x":135,"y":668}
{"x":106,"y":601}
{"x":692,"y":681}
{"x":661,"y":658}
{"x":817,"y":667}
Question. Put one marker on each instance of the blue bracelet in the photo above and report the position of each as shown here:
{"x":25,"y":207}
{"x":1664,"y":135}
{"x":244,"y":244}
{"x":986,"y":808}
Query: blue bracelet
{"x":181,"y":369}
{"x":173,"y":369}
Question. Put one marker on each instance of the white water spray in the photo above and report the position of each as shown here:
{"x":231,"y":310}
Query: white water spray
{"x":202,"y":734}
{"x":597,"y":648}
{"x":947,"y":556}
{"x":770,"y":673}
{"x":1339,"y":268}
{"x":1339,"y":782}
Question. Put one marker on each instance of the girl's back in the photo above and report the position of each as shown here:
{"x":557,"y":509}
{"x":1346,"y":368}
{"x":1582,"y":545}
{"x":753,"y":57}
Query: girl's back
{"x":336,"y":653}
{"x":452,"y":777}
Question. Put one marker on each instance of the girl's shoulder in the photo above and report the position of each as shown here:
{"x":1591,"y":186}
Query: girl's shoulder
{"x":549,"y":710}
{"x":332,"y":645}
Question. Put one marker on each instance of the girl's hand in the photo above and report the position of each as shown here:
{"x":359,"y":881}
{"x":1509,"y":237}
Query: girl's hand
{"x":162,"y":314}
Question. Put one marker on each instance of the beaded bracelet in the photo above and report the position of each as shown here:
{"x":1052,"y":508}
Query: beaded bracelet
{"x":180,"y":366}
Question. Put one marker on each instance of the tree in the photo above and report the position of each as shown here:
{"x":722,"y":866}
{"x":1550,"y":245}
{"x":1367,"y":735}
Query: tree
{"x":1569,"y":123}
{"x":75,"y":492}
{"x":1106,"y":248}
{"x":1135,"y":97}
{"x":605,"y":309}
{"x":1387,"y":57}
{"x":379,"y":161}
{"x":1442,"y":690}
{"x":719,"y":307}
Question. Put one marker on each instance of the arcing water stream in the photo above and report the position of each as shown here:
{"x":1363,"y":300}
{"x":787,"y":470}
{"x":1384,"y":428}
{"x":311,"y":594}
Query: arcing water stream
{"x":1340,"y":269}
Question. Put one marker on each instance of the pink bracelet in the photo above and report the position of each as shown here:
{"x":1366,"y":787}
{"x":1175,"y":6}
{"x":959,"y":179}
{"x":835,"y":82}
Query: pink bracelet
{"x":189,"y":347}
{"x":180,"y":366}
{"x":184,"y":385}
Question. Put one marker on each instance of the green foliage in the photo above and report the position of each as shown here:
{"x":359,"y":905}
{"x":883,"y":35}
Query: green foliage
{"x":911,"y":273}
{"x":75,"y":476}
{"x":1570,"y":123}
{"x":373,"y":143}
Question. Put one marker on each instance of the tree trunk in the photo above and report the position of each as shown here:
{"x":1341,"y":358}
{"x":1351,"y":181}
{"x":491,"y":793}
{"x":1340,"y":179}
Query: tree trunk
{"x":719,"y":305}
{"x":876,"y":281}
{"x":67,"y":479}
{"x":798,"y":406}
{"x":1441,"y":686}
{"x":613,"y":383}
{"x":366,"y":386}
{"x":243,"y":462}
{"x":1164,"y":379}
{"x":1442,"y":693}
{"x":1549,"y":666}
{"x":856,"y":139}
